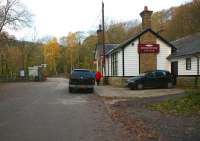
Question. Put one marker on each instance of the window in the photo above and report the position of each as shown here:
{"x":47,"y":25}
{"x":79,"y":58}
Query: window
{"x":111,"y":65}
{"x":108,"y":66}
{"x":151,"y":75}
{"x":188,"y":63}
{"x":160,"y":74}
{"x":114,"y":64}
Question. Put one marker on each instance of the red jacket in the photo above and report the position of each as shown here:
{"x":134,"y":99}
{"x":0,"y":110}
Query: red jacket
{"x":98,"y":75}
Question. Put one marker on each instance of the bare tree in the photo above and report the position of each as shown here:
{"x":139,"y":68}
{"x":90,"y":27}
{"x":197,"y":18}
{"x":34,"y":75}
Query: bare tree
{"x":13,"y":14}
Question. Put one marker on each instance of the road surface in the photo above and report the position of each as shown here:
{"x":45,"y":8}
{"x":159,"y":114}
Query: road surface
{"x":45,"y":111}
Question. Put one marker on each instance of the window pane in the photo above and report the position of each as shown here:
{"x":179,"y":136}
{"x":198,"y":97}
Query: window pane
{"x":151,"y":75}
{"x":160,"y":74}
{"x":188,"y":63}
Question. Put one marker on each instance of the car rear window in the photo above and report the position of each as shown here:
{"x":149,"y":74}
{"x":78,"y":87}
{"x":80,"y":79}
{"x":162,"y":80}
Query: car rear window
{"x":82,"y":73}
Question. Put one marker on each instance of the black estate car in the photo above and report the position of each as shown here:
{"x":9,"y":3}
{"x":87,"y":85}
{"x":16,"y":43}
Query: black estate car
{"x":81,"y":79}
{"x":152,"y":79}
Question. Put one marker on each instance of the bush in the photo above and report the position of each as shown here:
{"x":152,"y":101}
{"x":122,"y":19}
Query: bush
{"x":189,"y":104}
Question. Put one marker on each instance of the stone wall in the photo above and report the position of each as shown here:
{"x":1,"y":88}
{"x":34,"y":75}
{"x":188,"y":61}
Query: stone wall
{"x":187,"y":82}
{"x":182,"y":82}
{"x":117,"y":81}
{"x":148,"y":61}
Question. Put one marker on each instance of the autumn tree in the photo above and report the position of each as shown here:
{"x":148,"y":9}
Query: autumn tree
{"x":89,"y":45}
{"x":77,"y":51}
{"x":51,"y":55}
{"x":182,"y":20}
{"x":116,"y":32}
{"x":16,"y":55}
{"x":73,"y":50}
{"x":135,"y":28}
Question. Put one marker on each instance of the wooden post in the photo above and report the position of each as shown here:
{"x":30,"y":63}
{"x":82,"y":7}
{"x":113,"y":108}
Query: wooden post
{"x":103,"y":38}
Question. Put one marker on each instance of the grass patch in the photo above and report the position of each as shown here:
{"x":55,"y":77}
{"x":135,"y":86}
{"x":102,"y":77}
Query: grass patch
{"x":186,"y":105}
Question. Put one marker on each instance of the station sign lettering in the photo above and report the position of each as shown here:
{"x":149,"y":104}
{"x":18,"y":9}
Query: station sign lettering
{"x":148,"y":48}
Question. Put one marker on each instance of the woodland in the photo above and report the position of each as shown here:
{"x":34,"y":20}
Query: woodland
{"x":77,"y":50}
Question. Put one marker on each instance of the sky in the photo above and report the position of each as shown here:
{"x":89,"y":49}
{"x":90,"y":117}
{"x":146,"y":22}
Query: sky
{"x":59,"y":17}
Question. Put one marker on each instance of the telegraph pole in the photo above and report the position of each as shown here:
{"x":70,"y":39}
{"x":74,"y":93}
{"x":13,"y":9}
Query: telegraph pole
{"x":103,"y":38}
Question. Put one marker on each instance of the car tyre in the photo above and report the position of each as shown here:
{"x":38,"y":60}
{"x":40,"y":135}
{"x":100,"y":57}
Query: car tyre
{"x":91,"y":90}
{"x":169,"y":85}
{"x":140,"y":86}
{"x":132,"y":87}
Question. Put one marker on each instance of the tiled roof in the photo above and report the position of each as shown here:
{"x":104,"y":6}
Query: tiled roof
{"x":108,"y":48}
{"x":189,"y":45}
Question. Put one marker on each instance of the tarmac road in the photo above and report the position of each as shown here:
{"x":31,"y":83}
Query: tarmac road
{"x":45,"y":111}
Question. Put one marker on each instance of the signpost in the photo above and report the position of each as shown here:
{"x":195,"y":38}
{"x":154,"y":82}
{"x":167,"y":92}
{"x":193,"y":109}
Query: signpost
{"x":148,"y":48}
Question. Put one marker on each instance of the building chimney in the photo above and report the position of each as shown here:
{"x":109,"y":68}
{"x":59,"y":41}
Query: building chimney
{"x":146,"y":18}
{"x":100,"y":35}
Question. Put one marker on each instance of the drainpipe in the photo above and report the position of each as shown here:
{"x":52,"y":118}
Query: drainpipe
{"x":197,"y":77}
{"x":123,"y":69}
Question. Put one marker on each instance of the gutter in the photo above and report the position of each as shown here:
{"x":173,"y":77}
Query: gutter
{"x":197,"y":65}
{"x":197,"y":70}
{"x":123,"y":69}
{"x":174,"y":56}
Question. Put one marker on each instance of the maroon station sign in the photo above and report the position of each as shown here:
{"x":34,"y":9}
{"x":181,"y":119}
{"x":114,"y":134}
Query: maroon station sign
{"x":148,"y":48}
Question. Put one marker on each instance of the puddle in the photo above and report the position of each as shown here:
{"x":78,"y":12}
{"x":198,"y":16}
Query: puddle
{"x":112,"y":102}
{"x":71,"y":101}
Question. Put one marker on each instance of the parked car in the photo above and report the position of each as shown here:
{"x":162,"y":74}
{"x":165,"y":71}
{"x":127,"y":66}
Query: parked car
{"x":81,"y":79}
{"x":152,"y":79}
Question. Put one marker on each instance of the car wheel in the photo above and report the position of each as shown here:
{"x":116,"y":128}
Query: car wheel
{"x":169,"y":85}
{"x":132,"y":87}
{"x":140,"y":86}
{"x":91,"y":90}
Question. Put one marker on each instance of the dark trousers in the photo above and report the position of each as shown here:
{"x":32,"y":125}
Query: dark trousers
{"x":98,"y":81}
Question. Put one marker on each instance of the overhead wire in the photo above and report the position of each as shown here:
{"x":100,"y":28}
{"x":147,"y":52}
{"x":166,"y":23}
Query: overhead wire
{"x":94,"y":22}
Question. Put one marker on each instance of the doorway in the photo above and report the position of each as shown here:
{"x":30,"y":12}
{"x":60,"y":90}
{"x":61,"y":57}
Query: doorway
{"x":174,"y":70}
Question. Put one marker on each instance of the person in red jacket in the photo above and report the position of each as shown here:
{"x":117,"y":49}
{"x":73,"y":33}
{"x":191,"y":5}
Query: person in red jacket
{"x":98,"y":77}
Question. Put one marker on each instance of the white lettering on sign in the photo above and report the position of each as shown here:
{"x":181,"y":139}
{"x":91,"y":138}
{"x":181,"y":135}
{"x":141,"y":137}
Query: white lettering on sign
{"x":148,"y":48}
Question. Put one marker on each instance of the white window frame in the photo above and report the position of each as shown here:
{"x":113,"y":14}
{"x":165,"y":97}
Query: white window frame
{"x":188,"y":66}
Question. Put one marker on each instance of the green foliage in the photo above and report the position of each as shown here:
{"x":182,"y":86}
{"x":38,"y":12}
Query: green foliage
{"x":51,"y":54}
{"x":16,"y":55}
{"x":189,"y":104}
{"x":178,"y":22}
{"x":78,"y":52}
{"x":173,"y":23}
{"x":116,"y":33}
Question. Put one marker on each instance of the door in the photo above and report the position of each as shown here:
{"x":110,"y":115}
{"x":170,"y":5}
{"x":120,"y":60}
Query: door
{"x":150,"y":80}
{"x":161,"y":78}
{"x":174,"y":70}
